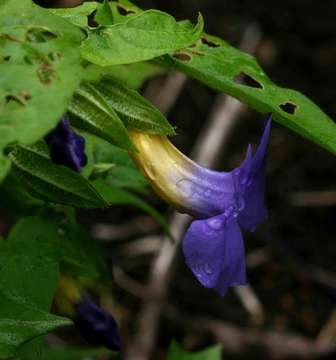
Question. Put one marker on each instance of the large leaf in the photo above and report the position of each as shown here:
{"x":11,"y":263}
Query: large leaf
{"x":29,"y":261}
{"x":20,"y":322}
{"x":92,"y":113}
{"x":137,"y":112}
{"x":52,"y":182}
{"x":40,"y":69}
{"x":144,"y":36}
{"x":176,"y":353}
{"x":117,"y":196}
{"x":225,"y":68}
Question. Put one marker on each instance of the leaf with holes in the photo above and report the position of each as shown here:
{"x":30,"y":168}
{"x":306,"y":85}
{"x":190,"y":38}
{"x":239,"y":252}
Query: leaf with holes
{"x":136,"y":112}
{"x":21,"y":322}
{"x":92,"y":113}
{"x":51,"y":182}
{"x":104,"y":14}
{"x":144,"y":36}
{"x":224,"y":68}
{"x":176,"y":353}
{"x":40,"y":69}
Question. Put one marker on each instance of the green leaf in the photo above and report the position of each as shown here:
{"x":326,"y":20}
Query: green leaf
{"x":29,"y":261}
{"x":144,"y":36}
{"x":123,"y":10}
{"x":51,"y":182}
{"x":212,"y":353}
{"x":77,"y":15}
{"x":137,"y":112}
{"x":81,"y":254}
{"x":222,"y":67}
{"x":92,"y":113}
{"x":131,"y":75}
{"x":40,"y":62}
{"x":20,"y":322}
{"x":104,"y":14}
{"x":117,"y":196}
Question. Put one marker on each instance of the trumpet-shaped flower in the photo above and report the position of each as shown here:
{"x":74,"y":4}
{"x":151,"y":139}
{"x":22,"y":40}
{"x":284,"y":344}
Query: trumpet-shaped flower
{"x":221,"y":202}
{"x":66,"y":147}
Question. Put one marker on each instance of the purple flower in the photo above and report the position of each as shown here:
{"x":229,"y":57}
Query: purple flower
{"x":66,"y":147}
{"x":97,"y":325}
{"x":221,"y":202}
{"x":213,"y":246}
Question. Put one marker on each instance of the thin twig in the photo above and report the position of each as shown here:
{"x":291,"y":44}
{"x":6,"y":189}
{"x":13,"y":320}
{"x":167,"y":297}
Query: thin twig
{"x":141,"y":346}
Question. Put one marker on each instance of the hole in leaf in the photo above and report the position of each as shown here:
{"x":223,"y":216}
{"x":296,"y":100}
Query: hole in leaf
{"x":91,"y":20}
{"x":209,"y":43}
{"x":288,"y":107}
{"x":45,"y":73}
{"x":247,"y":80}
{"x":13,"y":99}
{"x":192,"y":45}
{"x":54,"y":56}
{"x":37,"y":35}
{"x":182,"y":56}
{"x":26,"y":95}
{"x":6,"y":58}
{"x":124,"y":12}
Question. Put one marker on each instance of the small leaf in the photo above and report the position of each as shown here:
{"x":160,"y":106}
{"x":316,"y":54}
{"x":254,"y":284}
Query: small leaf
{"x":52,"y":182}
{"x":20,"y":322}
{"x":137,"y":112}
{"x":94,"y":114}
{"x":212,"y":353}
{"x":225,"y":68}
{"x":144,"y":36}
{"x":117,"y":196}
{"x":104,"y":14}
{"x":77,"y":15}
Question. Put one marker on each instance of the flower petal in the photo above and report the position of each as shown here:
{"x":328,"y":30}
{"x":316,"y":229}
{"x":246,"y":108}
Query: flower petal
{"x":214,"y":251}
{"x":66,"y":147}
{"x":97,"y":325}
{"x":253,"y":173}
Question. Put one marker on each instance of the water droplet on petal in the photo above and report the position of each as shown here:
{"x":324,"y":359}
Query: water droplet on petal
{"x":208,"y":269}
{"x":186,"y":186}
{"x":215,"y":224}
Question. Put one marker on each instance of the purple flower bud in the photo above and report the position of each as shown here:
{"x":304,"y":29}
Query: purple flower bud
{"x":97,"y":325}
{"x":66,"y":147}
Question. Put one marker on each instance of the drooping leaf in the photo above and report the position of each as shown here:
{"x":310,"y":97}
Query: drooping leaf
{"x":20,"y":322}
{"x":225,"y":68}
{"x":40,"y":69}
{"x":212,"y":353}
{"x":117,"y":196}
{"x":136,"y":111}
{"x":91,"y":112}
{"x":144,"y":36}
{"x":51,"y":182}
{"x":29,"y":261}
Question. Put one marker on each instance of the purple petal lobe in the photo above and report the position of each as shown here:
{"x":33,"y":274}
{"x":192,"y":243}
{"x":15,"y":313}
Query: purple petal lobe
{"x":66,"y":147}
{"x":253,"y":170}
{"x":97,"y":325}
{"x":214,"y":251}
